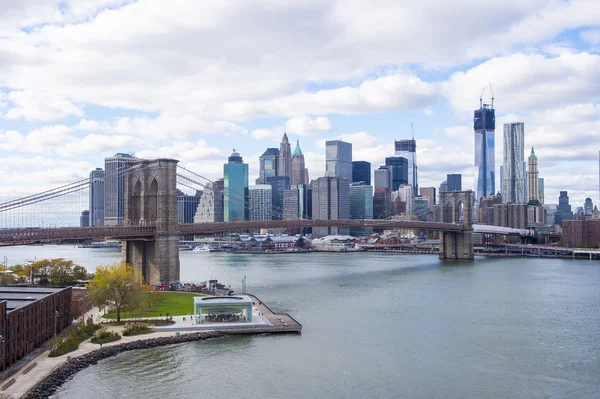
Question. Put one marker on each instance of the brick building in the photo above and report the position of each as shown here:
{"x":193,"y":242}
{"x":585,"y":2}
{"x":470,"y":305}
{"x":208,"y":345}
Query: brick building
{"x":80,"y":302}
{"x":30,"y":317}
{"x":581,"y":233}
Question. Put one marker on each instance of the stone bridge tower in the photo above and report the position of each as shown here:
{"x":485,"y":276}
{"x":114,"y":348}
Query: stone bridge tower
{"x":457,"y":207}
{"x":151,"y":200}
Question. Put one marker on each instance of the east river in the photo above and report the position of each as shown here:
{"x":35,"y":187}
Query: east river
{"x":374,"y":326}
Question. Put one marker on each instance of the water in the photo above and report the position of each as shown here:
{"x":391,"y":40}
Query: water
{"x":377,"y":326}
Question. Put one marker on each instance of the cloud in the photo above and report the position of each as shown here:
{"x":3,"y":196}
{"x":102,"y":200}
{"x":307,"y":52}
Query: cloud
{"x":41,"y":106}
{"x":592,"y":36}
{"x":305,"y":126}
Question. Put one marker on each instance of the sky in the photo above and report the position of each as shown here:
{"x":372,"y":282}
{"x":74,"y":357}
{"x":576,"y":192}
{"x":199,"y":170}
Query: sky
{"x":192,"y":80}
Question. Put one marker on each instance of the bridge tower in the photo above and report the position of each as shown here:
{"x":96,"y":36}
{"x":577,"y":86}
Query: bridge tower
{"x":457,"y":207}
{"x":151,"y":200}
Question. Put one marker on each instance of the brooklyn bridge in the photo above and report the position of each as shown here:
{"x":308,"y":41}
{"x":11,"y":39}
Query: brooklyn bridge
{"x":151,"y":232}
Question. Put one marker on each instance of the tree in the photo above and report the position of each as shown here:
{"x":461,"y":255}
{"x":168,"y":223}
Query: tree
{"x":57,"y":271}
{"x":117,"y":287}
{"x":7,"y":279}
{"x":79,"y":273}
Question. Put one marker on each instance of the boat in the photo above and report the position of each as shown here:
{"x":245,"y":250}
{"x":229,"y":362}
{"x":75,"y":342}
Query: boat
{"x":185,"y":247}
{"x":203,"y":248}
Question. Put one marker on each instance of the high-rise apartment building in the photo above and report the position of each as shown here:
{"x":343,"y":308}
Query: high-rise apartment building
{"x":114,"y":188}
{"x":96,"y":198}
{"x":484,"y":125}
{"x":285,"y":158}
{"x":563,"y":210}
{"x":235,"y":189}
{"x":298,"y":167}
{"x":533,"y":180}
{"x":210,"y":205}
{"x":400,"y":171}
{"x":361,"y":171}
{"x":268,"y":164}
{"x":331,"y":201}
{"x":259,"y":202}
{"x":338,"y":159}
{"x":408,"y":149}
{"x":454,"y":182}
{"x":513,"y":184}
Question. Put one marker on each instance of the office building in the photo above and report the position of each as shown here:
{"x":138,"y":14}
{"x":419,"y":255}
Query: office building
{"x":400,"y":171}
{"x":268,"y":165}
{"x":454,"y":182}
{"x":405,"y":193}
{"x":408,"y":149}
{"x":259,"y":202}
{"x":278,"y":185}
{"x":96,"y":197}
{"x":285,"y":158}
{"x":423,"y":209}
{"x":297,"y":202}
{"x":541,"y":190}
{"x":298,"y":167}
{"x":361,"y":206}
{"x":235,"y":189}
{"x":444,"y":186}
{"x":210,"y":205}
{"x":563,"y":210}
{"x":383,"y":178}
{"x":484,"y":126}
{"x":382,"y":204}
{"x":338,"y":159}
{"x":588,"y":206}
{"x":513,"y":184}
{"x":429,"y":192}
{"x":114,"y":188}
{"x":550,"y":213}
{"x":84,"y":219}
{"x":187,"y":205}
{"x":533,"y":180}
{"x":501,"y":179}
{"x":331,"y":201}
{"x":361,"y":171}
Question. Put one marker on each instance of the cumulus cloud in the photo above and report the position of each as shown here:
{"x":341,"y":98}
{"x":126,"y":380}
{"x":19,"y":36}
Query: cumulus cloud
{"x":41,"y":106}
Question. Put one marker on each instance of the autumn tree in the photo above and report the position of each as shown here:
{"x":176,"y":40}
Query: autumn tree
{"x":117,"y":287}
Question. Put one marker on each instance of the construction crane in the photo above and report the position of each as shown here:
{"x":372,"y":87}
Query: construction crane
{"x":491,"y":91}
{"x":481,"y":98}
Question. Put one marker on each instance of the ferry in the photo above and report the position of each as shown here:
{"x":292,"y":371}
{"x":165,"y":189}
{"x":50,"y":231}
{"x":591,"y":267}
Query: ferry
{"x":203,"y":248}
{"x":185,"y":247}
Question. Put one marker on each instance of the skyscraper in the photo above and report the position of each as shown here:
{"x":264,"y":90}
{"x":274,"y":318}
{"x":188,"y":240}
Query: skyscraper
{"x":361,"y":206}
{"x":563,"y":210}
{"x":298,"y":168}
{"x":400,"y":171}
{"x":444,"y":186}
{"x":278,"y":185}
{"x":408,"y":149}
{"x":297,"y":202}
{"x":268,"y":165}
{"x":235,"y":188}
{"x":96,"y":197}
{"x":210,"y":205}
{"x":259,"y":202}
{"x":430,"y":193}
{"x":383,"y":178}
{"x":533,"y":196}
{"x":285,"y":158}
{"x":338,"y":159}
{"x":513,"y":185}
{"x":187,"y":206}
{"x":406,"y":194}
{"x":541,"y":190}
{"x":114,"y":188}
{"x":454,"y":182}
{"x":331,"y":201}
{"x":361,"y":171}
{"x":484,"y":125}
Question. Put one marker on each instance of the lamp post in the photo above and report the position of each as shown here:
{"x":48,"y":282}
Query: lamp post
{"x":56,"y":315}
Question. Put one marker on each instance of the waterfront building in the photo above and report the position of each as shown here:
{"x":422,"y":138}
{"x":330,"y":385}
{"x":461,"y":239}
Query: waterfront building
{"x":563,"y":210}
{"x":444,"y":186}
{"x":383,"y":178}
{"x":588,"y":206}
{"x":114,"y":188}
{"x":430,"y":193}
{"x":581,"y":233}
{"x":278,"y":185}
{"x":361,"y":171}
{"x":259,"y":202}
{"x":330,"y":201}
{"x":382,"y":201}
{"x":484,"y":126}
{"x":408,"y":149}
{"x":84,"y":219}
{"x":29,"y":317}
{"x":338,"y":159}
{"x":361,"y":206}
{"x":285,"y":158}
{"x":210,"y":205}
{"x":268,"y":164}
{"x":298,"y":167}
{"x":454,"y":182}
{"x":405,"y":193}
{"x":513,"y":171}
{"x":96,"y":197}
{"x":235,"y":188}
{"x":533,"y":180}
{"x":400,"y":171}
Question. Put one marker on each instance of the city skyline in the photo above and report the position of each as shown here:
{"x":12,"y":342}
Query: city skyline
{"x":54,"y":130}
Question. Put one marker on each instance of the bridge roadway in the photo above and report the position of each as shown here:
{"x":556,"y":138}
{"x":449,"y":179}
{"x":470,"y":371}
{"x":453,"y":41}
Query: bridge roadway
{"x":36,"y":235}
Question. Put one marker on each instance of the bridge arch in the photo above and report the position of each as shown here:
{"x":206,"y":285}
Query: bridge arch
{"x":457,"y":208}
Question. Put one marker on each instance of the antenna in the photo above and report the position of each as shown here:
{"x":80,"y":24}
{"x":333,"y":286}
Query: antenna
{"x":491,"y":91}
{"x":412,"y":128}
{"x":481,"y":98}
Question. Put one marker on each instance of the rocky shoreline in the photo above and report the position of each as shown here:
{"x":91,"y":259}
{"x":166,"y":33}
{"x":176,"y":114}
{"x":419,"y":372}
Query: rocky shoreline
{"x":49,"y":384}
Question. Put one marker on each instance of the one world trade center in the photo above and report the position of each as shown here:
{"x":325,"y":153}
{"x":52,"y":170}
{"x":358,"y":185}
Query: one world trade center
{"x":484,"y":124}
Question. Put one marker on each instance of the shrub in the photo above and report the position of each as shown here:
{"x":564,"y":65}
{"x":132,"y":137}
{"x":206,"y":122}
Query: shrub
{"x":102,"y":337}
{"x":77,"y":334}
{"x":136,"y":329}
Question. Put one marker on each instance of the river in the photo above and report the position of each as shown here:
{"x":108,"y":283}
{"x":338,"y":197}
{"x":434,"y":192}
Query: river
{"x":374,"y":326}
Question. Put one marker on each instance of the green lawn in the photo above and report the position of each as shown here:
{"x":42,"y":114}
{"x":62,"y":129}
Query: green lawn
{"x":173,"y":303}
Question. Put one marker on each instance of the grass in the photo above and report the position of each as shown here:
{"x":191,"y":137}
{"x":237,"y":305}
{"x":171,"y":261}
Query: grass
{"x":161,"y":303}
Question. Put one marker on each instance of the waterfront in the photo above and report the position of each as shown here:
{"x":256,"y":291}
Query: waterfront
{"x":377,"y":325}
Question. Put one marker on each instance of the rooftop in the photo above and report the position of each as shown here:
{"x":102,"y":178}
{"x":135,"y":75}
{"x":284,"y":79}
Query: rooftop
{"x":17,"y":297}
{"x":236,"y":300}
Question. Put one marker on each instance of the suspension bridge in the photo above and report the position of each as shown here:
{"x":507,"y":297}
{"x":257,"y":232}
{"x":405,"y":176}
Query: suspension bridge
{"x":150,"y":230}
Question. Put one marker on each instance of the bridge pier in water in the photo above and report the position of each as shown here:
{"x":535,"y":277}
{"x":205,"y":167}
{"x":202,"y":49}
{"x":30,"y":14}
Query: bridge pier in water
{"x":457,"y":207}
{"x":151,"y":200}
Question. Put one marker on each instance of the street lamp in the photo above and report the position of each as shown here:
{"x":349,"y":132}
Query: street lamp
{"x":57,"y":314}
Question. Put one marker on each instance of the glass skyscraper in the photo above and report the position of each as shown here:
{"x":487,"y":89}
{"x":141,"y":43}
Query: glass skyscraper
{"x":513,"y":179}
{"x":484,"y":124}
{"x":96,"y":198}
{"x":454,"y":182}
{"x":408,"y":149}
{"x":330,"y":201}
{"x":268,"y":165}
{"x":400,"y":171}
{"x":235,"y":188}
{"x":361,"y":171}
{"x":338,"y":159}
